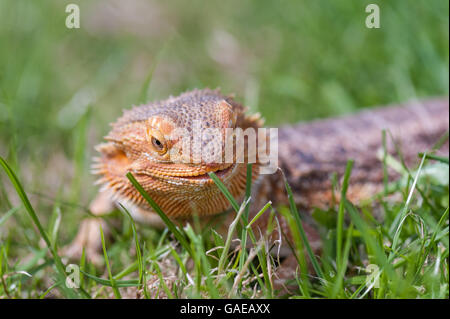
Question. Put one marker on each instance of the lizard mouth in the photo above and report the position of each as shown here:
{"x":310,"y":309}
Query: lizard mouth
{"x":221,"y":173}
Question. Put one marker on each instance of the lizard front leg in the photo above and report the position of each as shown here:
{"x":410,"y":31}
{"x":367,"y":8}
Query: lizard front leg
{"x":88,"y":236}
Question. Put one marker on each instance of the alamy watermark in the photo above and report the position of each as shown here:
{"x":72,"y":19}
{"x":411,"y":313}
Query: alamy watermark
{"x":373,"y":19}
{"x":73,"y":17}
{"x":73,"y":277}
{"x":211,"y":145}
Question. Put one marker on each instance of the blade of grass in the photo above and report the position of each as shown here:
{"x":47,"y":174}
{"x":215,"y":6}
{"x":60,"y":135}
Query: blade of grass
{"x":108,"y":283}
{"x":340,"y":220}
{"x":82,"y":265}
{"x":298,"y":250}
{"x":231,"y":229}
{"x":134,"y":266}
{"x":238,"y":278}
{"x":29,"y":208}
{"x":254,"y":219}
{"x":54,"y":226}
{"x":248,"y":191}
{"x":203,"y":264}
{"x":404,"y":211}
{"x":299,"y":225}
{"x":261,"y":258}
{"x":385,"y":171}
{"x":441,"y":141}
{"x":8,"y":214}
{"x":137,"y":246}
{"x":143,"y":95}
{"x":224,"y":191}
{"x":441,"y":222}
{"x":177,"y":257}
{"x":162,"y":282}
{"x":441,"y":159}
{"x":111,"y":278}
{"x":161,"y":214}
{"x":343,"y":266}
{"x":42,"y":296}
{"x":370,"y":241}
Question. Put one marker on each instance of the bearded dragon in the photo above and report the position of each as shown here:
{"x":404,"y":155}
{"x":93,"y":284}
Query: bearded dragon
{"x":144,"y":142}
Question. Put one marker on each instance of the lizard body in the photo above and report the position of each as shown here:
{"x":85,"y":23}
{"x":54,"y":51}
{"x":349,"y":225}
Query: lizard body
{"x":311,"y":152}
{"x":143,"y":141}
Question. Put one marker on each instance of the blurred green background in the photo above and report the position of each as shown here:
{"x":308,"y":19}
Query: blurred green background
{"x":290,"y":60}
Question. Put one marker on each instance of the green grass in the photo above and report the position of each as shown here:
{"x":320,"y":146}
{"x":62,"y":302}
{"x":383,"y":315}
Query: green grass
{"x":408,"y":251}
{"x":60,"y":88}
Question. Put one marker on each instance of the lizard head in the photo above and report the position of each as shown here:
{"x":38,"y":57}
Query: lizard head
{"x":170,"y":147}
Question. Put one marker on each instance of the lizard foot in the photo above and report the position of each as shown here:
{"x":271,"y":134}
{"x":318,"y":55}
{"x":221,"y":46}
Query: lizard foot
{"x":89,"y":238}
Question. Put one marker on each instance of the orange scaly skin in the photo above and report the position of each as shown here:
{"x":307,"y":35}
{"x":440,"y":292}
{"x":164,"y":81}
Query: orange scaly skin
{"x":177,"y":184}
{"x":308,"y":154}
{"x":180,"y":186}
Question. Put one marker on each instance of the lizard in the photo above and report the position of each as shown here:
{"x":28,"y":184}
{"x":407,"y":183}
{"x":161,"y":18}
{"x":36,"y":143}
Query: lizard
{"x":145,"y":142}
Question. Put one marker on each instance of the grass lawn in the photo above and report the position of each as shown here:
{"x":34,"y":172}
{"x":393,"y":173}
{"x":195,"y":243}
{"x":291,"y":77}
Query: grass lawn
{"x":289,"y":60}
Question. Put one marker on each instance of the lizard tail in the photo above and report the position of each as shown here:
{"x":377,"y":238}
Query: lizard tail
{"x":311,"y":152}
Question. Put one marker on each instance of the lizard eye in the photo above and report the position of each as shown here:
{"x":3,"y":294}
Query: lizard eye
{"x":154,"y":134}
{"x":158,"y":145}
